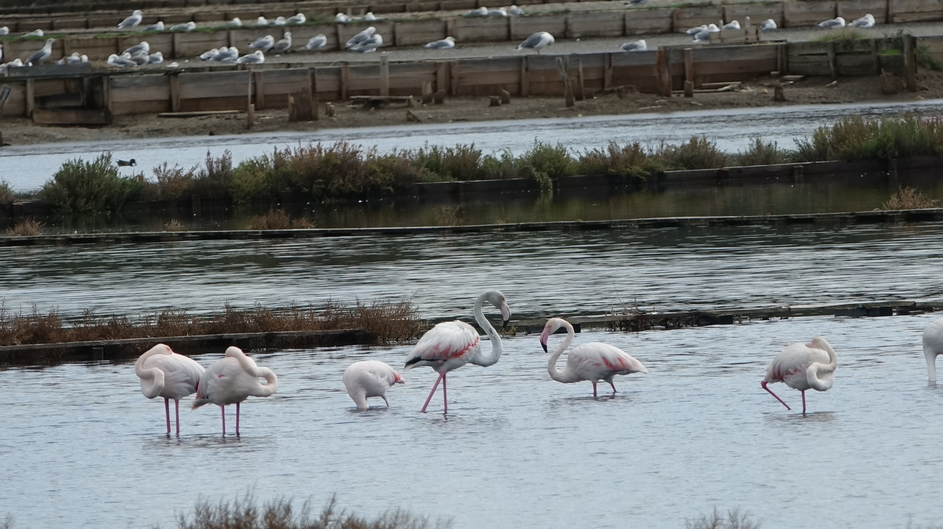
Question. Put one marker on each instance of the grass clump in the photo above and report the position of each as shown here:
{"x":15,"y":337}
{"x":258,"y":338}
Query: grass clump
{"x":857,"y":138}
{"x":26,"y":228}
{"x":762,"y":153}
{"x":6,"y":192}
{"x":697,"y":153}
{"x":839,"y":34}
{"x":214,"y":179}
{"x":444,"y":164}
{"x":244,"y":513}
{"x":628,"y":160}
{"x":734,"y":520}
{"x":909,"y":198}
{"x":278,"y":219}
{"x":82,"y":188}
{"x":924,"y":58}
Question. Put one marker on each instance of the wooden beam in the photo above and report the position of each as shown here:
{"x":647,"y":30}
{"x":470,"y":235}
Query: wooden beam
{"x":259,"y":77}
{"x":910,"y":63}
{"x":607,"y":75}
{"x":689,"y":65}
{"x":313,"y":86}
{"x":525,"y":77}
{"x":345,"y":81}
{"x":30,"y":98}
{"x":175,"y":92}
{"x":384,"y":75}
{"x":453,"y":77}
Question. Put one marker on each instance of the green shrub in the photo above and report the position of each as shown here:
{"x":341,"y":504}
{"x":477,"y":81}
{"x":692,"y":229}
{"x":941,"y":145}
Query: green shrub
{"x":628,"y":160}
{"x":216,"y":178}
{"x":88,"y":188}
{"x":697,"y":153}
{"x":857,"y":138}
{"x":442,"y":164}
{"x":909,"y":198}
{"x":762,"y":153}
{"x":501,"y":166}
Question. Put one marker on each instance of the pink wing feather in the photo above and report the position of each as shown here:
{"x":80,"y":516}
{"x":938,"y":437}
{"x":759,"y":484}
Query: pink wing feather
{"x":454,"y":342}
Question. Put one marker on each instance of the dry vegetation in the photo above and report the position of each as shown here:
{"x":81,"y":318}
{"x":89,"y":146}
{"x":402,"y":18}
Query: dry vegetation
{"x":734,"y":520}
{"x":243,"y":513}
{"x":26,"y":228}
{"x":909,"y":198}
{"x":278,"y":219}
{"x":389,"y":322}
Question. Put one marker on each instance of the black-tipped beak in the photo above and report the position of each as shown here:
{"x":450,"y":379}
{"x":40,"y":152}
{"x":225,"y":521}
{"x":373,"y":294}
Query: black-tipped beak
{"x":544,"y":346}
{"x":505,"y":325}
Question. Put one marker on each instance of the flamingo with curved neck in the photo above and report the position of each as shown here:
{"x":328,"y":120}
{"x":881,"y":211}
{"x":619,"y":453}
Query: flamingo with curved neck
{"x":369,"y":378}
{"x":232,"y":380}
{"x":803,"y":366}
{"x":452,"y":344}
{"x":933,"y":346}
{"x":164,"y":373}
{"x":593,"y":361}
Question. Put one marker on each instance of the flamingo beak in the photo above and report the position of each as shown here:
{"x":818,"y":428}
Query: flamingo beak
{"x":542,"y":344}
{"x":544,"y":336}
{"x":505,"y":314}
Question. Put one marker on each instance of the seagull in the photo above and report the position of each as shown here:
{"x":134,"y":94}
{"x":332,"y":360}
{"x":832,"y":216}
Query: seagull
{"x":537,"y":40}
{"x":208,"y":55}
{"x":34,"y":33}
{"x":283,"y":45}
{"x":480,"y":12}
{"x":280,"y":21}
{"x":636,"y":2}
{"x":316,"y":42}
{"x":261,"y":21}
{"x":499,"y":12}
{"x":139,"y":58}
{"x":837,"y":22}
{"x":298,"y":19}
{"x":234,"y":23}
{"x":636,"y":45}
{"x":71,"y":60}
{"x":226,"y":54}
{"x":42,"y":55}
{"x":696,"y":30}
{"x":189,"y":26}
{"x":866,"y":21}
{"x":120,"y":62}
{"x":369,"y":17}
{"x":141,"y":47}
{"x":768,"y":25}
{"x":369,"y":45}
{"x":341,"y":18}
{"x":731,"y":25}
{"x":132,"y":20}
{"x":1,"y":53}
{"x":155,"y":58}
{"x":5,"y":30}
{"x":159,"y":26}
{"x":445,"y":44}
{"x":514,"y":10}
{"x":705,"y":35}
{"x":264,"y":43}
{"x":255,"y":57}
{"x":361,"y":37}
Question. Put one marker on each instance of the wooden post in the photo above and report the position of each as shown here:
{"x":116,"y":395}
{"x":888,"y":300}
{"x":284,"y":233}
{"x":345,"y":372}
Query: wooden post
{"x":249,"y":92}
{"x":910,"y":63}
{"x":453,"y":78}
{"x":832,"y":63}
{"x":689,"y":89}
{"x":890,"y":12}
{"x":175,"y":92}
{"x":259,"y":89}
{"x":250,"y":116}
{"x":566,"y":26}
{"x":426,"y":92}
{"x":337,"y":33}
{"x":663,"y":73}
{"x":441,"y":76}
{"x":580,"y":91}
{"x":30,"y":98}
{"x":875,"y":58}
{"x":174,"y":46}
{"x":396,"y":38}
{"x":525,"y":77}
{"x":345,"y":81}
{"x":384,"y":75}
{"x":106,"y":92}
{"x":688,"y":69}
{"x":511,"y":25}
{"x":313,"y":88}
{"x":607,"y":75}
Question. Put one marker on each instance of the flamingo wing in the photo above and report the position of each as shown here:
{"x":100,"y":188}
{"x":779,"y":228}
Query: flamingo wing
{"x":451,"y":342}
{"x":791,"y":363}
{"x":181,"y":374}
{"x":597,"y":360}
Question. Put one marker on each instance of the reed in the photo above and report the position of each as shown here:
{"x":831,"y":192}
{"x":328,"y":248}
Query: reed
{"x":26,"y":228}
{"x":278,"y":219}
{"x":909,"y":198}
{"x":697,"y":153}
{"x":733,"y":520}
{"x":244,"y":513}
{"x":445,"y":164}
{"x":388,"y":321}
{"x":6,"y":192}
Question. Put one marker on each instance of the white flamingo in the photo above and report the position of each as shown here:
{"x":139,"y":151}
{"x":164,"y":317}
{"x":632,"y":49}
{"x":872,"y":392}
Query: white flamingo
{"x":803,"y":366}
{"x":232,"y":380}
{"x":593,"y":361}
{"x":369,"y":378}
{"x":164,"y":373}
{"x":452,"y":344}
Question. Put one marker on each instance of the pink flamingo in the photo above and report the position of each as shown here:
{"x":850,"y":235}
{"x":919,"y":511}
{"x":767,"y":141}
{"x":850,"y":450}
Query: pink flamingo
{"x":803,"y":366}
{"x":232,"y":380}
{"x":932,"y":346}
{"x":369,"y":378}
{"x":167,"y":374}
{"x":452,"y":344}
{"x":593,"y":361}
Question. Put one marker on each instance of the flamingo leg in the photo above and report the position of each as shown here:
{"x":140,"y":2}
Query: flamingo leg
{"x":237,"y":419}
{"x":594,"y":391}
{"x":613,"y":388}
{"x":177,"y":409}
{"x":167,"y":413}
{"x":803,"y":402}
{"x":763,"y":383}
{"x":434,"y":386}
{"x":223,"y":409}
{"x":445,"y":394}
{"x":386,"y":401}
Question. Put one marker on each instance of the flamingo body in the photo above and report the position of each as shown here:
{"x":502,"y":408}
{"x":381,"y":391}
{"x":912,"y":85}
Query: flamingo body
{"x":452,"y":344}
{"x":166,"y":374}
{"x":933,"y":346}
{"x":369,"y":378}
{"x":233,"y":379}
{"x":803,"y":367}
{"x":593,"y":361}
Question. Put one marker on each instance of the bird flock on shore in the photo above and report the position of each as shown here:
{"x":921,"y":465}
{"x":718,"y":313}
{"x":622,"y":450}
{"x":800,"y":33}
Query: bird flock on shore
{"x":366,"y":41}
{"x":453,"y":344}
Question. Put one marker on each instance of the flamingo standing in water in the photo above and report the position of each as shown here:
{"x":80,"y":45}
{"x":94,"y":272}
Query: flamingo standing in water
{"x":232,"y":380}
{"x":370,"y":378}
{"x":803,"y":366}
{"x":932,"y":346}
{"x":452,"y":344}
{"x":167,"y":374}
{"x":593,"y":361}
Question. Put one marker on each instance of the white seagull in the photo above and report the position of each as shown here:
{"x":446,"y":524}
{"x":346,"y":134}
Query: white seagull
{"x":361,"y":37}
{"x":445,"y":44}
{"x":42,"y":55}
{"x":480,"y":12}
{"x":536,"y":41}
{"x":341,"y":18}
{"x":696,"y":30}
{"x":732,"y":25}
{"x":189,"y":26}
{"x":261,"y":21}
{"x":159,"y":26}
{"x":5,"y":30}
{"x":263,"y":43}
{"x":279,"y":21}
{"x":635,"y":45}
{"x":255,"y":57}
{"x":132,"y":20}
{"x":298,"y":19}
{"x":34,"y":33}
{"x":369,"y":45}
{"x":156,"y":58}
{"x":141,"y":47}
{"x":705,"y":35}
{"x":120,"y":62}
{"x":283,"y":45}
{"x":369,"y":17}
{"x":516,"y":11}
{"x":768,"y":25}
{"x":866,"y":21}
{"x":316,"y":42}
{"x":837,"y":22}
{"x":234,"y":23}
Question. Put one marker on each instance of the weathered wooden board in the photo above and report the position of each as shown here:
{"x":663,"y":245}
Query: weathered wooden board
{"x":915,"y":10}
{"x":418,"y":32}
{"x":852,"y":9}
{"x":524,"y":27}
{"x":16,"y":102}
{"x":596,"y":24}
{"x":756,"y":12}
{"x":647,"y":21}
{"x":480,"y":29}
{"x":688,"y":17}
{"x":807,"y":13}
{"x":81,"y":117}
{"x":139,"y":88}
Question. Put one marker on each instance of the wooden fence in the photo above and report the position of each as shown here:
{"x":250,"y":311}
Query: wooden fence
{"x":414,"y":31}
{"x":655,"y":71}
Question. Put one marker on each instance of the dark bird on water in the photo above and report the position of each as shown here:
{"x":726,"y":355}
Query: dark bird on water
{"x":127,"y":163}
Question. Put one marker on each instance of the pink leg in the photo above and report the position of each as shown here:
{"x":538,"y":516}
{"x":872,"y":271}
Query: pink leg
{"x":777,"y":397}
{"x":167,"y":413}
{"x":803,"y":402}
{"x":223,"y":409}
{"x":237,"y":419}
{"x":445,"y":394}
{"x":177,"y":408}
{"x":613,"y":388}
{"x":434,"y":386}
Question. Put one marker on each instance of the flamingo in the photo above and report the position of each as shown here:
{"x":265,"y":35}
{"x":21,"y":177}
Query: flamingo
{"x":803,"y":366}
{"x":167,"y":374}
{"x":232,"y":380}
{"x":452,"y":344}
{"x":932,"y":346}
{"x":370,"y":378}
{"x":591,"y":361}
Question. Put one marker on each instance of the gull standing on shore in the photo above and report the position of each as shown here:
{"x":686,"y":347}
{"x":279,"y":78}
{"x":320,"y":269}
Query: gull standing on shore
{"x":536,"y":41}
{"x":132,"y":20}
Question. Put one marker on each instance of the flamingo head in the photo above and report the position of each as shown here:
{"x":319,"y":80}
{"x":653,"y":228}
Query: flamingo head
{"x":553,"y":324}
{"x":398,"y":379}
{"x":496,"y":298}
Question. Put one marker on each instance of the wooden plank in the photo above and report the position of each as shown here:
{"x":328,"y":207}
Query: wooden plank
{"x":198,"y":113}
{"x":852,"y":9}
{"x":688,"y":17}
{"x":480,"y":29}
{"x":596,"y":24}
{"x":648,"y":21}
{"x":555,"y":24}
{"x":916,"y":10}
{"x":85,"y":117}
{"x":757,"y":13}
{"x":807,"y":13}
{"x":417,"y":32}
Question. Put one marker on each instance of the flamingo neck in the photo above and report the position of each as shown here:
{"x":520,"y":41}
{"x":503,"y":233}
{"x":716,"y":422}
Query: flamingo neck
{"x":152,"y":379}
{"x":931,"y":364}
{"x":250,"y":367}
{"x":481,"y":359}
{"x":820,"y":375}
{"x":561,"y":376}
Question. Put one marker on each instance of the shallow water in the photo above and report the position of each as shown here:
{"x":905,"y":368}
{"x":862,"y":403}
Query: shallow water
{"x":517,"y":449}
{"x":27,"y":168}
